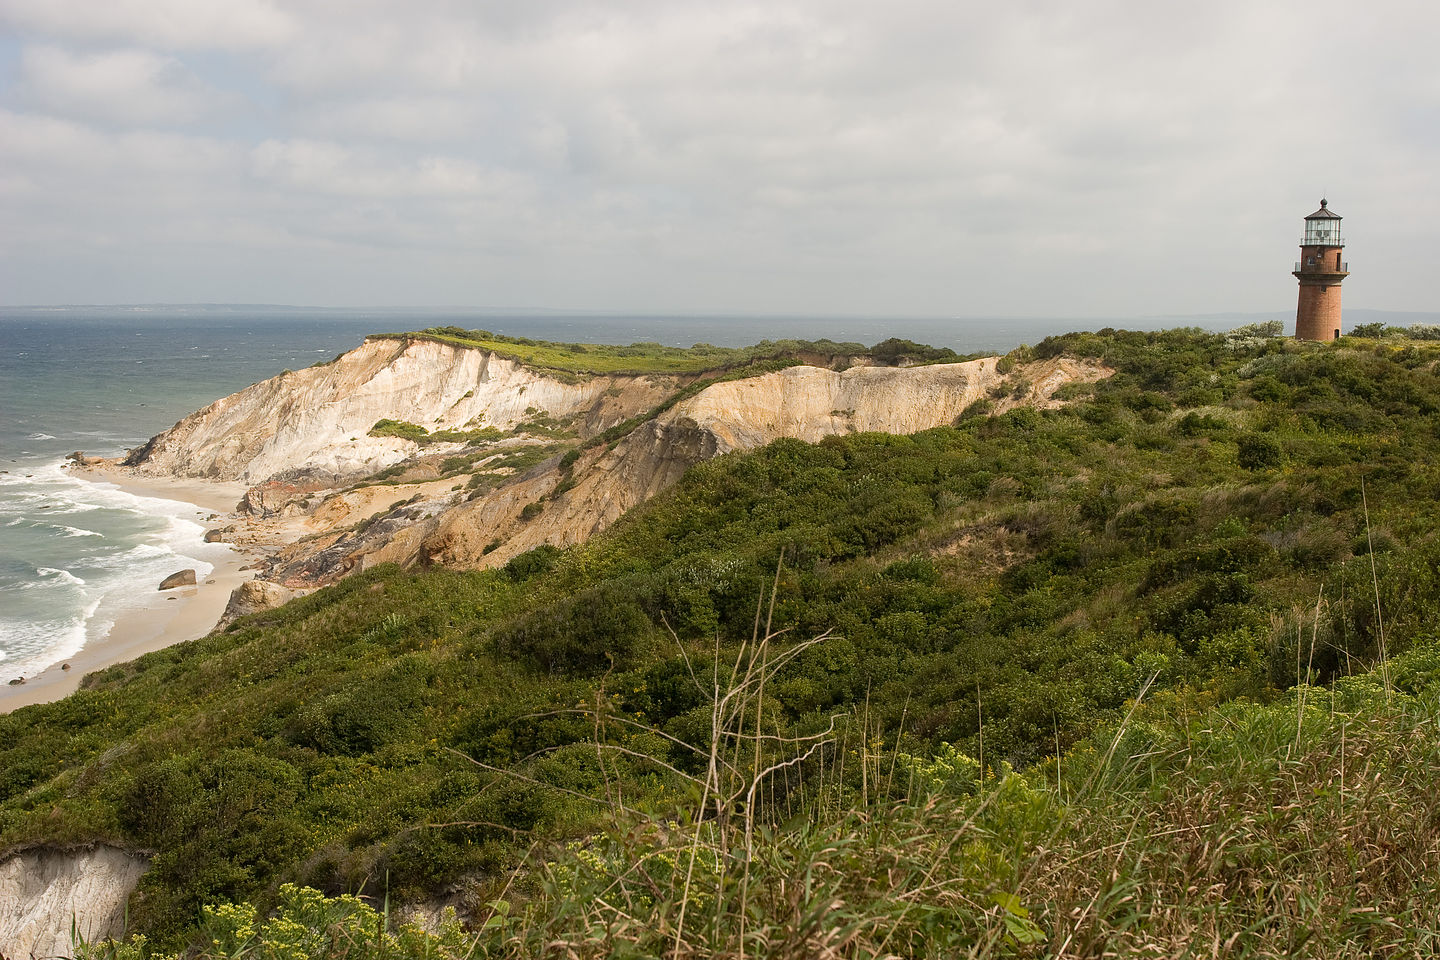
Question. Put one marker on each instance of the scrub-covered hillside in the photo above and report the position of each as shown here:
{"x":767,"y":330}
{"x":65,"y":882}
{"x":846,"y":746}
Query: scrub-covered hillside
{"x":1218,"y":520}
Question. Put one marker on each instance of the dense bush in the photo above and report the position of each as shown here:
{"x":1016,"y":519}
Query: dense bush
{"x":1257,"y":451}
{"x":418,"y":434}
{"x":401,"y":429}
{"x":1239,"y":829}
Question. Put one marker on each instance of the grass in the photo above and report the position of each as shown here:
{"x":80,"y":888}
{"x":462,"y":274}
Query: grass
{"x":586,"y":359}
{"x":1287,"y":830}
{"x":405,"y":430}
{"x":1304,"y":829}
{"x":589,"y":359}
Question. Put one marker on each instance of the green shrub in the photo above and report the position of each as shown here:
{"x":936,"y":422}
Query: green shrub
{"x":401,"y":429}
{"x":306,"y":924}
{"x":1258,"y":451}
{"x":599,"y":626}
{"x":532,"y":563}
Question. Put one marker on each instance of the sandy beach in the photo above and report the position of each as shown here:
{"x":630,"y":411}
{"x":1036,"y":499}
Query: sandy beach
{"x":170,"y":617}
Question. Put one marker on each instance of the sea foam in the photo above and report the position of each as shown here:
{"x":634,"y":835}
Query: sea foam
{"x":63,"y":586}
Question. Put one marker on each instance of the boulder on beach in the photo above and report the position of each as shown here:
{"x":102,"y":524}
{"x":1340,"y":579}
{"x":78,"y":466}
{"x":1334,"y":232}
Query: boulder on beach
{"x":181,"y":578}
{"x":79,"y":458}
{"x":253,"y":596}
{"x":214,"y":535}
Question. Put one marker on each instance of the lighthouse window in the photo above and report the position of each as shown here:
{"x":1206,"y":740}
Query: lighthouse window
{"x":1309,"y":261}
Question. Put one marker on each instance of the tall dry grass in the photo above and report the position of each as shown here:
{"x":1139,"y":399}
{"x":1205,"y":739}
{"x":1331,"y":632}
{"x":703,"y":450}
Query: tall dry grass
{"x":1308,"y":828}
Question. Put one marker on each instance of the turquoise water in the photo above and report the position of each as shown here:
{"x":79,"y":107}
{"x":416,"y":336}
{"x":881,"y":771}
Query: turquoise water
{"x":74,"y":553}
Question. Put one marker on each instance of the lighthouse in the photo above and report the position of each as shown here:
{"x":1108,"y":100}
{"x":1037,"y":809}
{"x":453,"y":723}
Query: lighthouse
{"x":1320,"y":271}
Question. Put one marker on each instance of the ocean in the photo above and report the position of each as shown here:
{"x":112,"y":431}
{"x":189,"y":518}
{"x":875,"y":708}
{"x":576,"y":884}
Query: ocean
{"x":74,"y":554}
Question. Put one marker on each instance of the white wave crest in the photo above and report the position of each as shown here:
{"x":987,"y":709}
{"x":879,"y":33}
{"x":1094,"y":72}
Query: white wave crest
{"x":140,"y":553}
{"x":60,"y":576}
{"x":77,"y":532}
{"x":39,"y":645}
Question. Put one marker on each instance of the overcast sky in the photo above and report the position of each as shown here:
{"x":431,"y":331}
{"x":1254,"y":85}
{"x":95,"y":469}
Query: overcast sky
{"x":1090,"y":158}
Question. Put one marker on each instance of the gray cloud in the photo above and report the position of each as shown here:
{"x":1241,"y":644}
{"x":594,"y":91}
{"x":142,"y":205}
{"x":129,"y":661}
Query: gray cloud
{"x":166,"y":24}
{"x":116,"y":87}
{"x":1107,"y":158}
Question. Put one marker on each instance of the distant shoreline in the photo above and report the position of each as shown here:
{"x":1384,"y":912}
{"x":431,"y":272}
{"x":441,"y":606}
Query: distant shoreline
{"x":173,"y":616}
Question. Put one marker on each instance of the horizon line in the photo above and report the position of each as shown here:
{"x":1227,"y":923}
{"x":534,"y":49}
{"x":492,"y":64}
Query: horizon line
{"x":696,"y":313}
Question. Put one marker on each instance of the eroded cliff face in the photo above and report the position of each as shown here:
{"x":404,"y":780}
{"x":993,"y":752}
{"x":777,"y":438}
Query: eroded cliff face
{"x":316,"y":421}
{"x":302,"y":440}
{"x":43,"y":889}
{"x":809,"y":403}
{"x":802,"y":402}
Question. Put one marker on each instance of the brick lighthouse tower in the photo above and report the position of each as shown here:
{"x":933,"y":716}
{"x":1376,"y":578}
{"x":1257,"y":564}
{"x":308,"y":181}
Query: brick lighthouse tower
{"x":1320,"y":271}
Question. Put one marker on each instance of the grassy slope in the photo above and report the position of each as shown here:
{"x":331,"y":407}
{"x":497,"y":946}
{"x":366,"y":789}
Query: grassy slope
{"x":1306,"y":828}
{"x":586,"y":359}
{"x":583,"y":358}
{"x":1178,"y":525}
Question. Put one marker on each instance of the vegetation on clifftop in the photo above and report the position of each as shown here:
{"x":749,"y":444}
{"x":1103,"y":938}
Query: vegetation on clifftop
{"x":1224,"y":524}
{"x":643,"y":358}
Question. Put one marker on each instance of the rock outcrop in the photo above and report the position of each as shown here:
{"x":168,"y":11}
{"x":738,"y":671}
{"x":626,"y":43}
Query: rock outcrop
{"x":43,"y":890}
{"x":802,"y":402}
{"x":317,"y":421}
{"x":301,"y":440}
{"x":252,"y":596}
